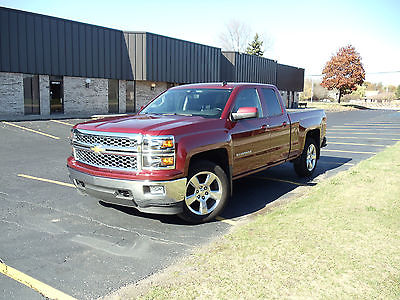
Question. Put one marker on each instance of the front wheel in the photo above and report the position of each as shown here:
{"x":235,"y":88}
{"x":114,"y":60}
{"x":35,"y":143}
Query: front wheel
{"x":306,"y":163}
{"x":206,"y":192}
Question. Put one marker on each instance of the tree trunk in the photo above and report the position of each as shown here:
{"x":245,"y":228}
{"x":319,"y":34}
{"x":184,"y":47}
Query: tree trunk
{"x":340,"y":95}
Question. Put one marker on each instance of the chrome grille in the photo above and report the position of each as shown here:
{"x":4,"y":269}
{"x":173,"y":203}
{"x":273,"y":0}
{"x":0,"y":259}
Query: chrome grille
{"x":106,"y":160}
{"x":112,"y":141}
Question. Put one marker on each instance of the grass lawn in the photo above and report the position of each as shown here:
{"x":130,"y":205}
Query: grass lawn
{"x":341,"y":240}
{"x":334,"y":106}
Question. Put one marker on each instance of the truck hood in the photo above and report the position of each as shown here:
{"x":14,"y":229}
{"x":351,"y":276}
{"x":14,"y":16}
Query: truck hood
{"x":151,"y":124}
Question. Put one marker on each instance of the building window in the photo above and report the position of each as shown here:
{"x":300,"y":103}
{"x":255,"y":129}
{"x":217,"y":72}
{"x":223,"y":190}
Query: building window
{"x":130,"y":96}
{"x":31,"y":95}
{"x":113,"y":96}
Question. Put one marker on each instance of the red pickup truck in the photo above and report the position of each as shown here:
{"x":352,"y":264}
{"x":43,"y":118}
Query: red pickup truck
{"x":181,"y":152}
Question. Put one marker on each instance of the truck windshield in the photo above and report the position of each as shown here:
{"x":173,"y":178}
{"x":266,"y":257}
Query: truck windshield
{"x":208,"y":103}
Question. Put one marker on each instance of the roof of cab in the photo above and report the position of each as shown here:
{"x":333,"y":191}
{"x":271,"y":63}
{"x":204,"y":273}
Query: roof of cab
{"x":220,"y":85}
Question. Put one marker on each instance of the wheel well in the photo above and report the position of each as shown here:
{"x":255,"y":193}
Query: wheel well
{"x":217,"y":156}
{"x":315,"y":134}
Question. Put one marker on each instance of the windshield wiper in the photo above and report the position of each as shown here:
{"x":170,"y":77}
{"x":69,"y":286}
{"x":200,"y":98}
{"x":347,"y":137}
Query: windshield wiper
{"x":176,"y":114}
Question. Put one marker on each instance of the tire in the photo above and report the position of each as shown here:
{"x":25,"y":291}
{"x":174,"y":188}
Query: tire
{"x":306,"y":163}
{"x":207,"y":192}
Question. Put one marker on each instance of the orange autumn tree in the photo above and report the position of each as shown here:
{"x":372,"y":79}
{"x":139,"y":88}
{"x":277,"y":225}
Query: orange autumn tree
{"x":344,"y":71}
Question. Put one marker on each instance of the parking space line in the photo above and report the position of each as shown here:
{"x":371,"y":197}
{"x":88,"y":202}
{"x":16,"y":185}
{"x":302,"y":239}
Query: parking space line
{"x":31,"y":130}
{"x":40,"y":287}
{"x":356,"y":129}
{"x":279,"y":180}
{"x":61,"y":122}
{"x":368,"y":125}
{"x":372,"y":133}
{"x":46,"y":180}
{"x":366,"y":138}
{"x":357,"y":144}
{"x":347,"y":151}
{"x":335,"y":163}
{"x":227,"y":221}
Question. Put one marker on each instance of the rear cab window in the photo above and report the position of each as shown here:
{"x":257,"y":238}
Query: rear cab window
{"x":272,"y":102}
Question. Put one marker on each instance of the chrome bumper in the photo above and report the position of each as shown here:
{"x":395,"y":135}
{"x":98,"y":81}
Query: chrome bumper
{"x":158,"y":197}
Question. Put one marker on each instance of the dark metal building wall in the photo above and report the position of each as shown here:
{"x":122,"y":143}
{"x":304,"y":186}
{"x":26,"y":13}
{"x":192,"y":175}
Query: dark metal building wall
{"x":173,"y":60}
{"x":290,"y":78}
{"x":37,"y":44}
{"x":241,"y":67}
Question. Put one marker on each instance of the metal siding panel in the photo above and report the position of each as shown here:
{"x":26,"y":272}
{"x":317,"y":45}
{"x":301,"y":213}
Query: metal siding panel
{"x":75,"y":49}
{"x":39,"y":50}
{"x":126,"y":59}
{"x":163,"y":58}
{"x":61,"y":47}
{"x":102,"y":59}
{"x":157,"y":76}
{"x":113,"y":59}
{"x":144,"y":55}
{"x":167,"y":57}
{"x":46,"y":45}
{"x":31,"y":54}
{"x":4,"y":41}
{"x":22,"y":47}
{"x":132,"y":54}
{"x":89,"y":53}
{"x":107,"y":51}
{"x":181,"y":61}
{"x":53,"y":47}
{"x":118,"y":53}
{"x":68,"y":49}
{"x":138,"y":50}
{"x":82,"y":50}
{"x":95,"y":51}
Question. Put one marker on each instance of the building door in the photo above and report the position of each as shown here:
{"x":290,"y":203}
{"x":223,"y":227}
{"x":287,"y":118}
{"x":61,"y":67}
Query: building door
{"x":56,"y":95}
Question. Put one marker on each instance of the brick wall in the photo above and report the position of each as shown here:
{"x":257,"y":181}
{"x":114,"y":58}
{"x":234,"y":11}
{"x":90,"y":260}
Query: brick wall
{"x":44,"y":88}
{"x":11,"y":94}
{"x":144,"y":93}
{"x":79,"y":99}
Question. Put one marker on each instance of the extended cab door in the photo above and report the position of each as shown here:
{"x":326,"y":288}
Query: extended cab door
{"x":249,"y":137}
{"x":278,"y":126}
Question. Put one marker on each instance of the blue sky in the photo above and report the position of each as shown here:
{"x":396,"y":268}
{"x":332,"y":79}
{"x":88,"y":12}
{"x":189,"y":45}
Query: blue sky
{"x":303,"y":33}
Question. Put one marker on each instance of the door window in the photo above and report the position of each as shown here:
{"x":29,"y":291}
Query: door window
{"x":31,"y":95}
{"x":56,"y":94}
{"x":113,"y":96}
{"x":273,"y":105}
{"x":248,"y":98}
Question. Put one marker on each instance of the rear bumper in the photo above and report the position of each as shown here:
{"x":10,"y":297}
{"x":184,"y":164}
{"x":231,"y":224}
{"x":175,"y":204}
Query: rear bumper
{"x":167,"y":199}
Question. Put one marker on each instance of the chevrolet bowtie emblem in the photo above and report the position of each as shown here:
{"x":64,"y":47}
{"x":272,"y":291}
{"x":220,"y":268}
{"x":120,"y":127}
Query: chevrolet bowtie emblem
{"x":97,"y":149}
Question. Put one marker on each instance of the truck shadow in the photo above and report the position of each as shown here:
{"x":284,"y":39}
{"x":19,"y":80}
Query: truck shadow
{"x":254,"y":192}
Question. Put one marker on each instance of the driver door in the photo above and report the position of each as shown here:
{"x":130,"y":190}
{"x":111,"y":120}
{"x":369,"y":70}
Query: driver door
{"x":249,"y":136}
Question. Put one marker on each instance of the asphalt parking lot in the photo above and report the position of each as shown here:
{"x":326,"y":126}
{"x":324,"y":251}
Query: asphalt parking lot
{"x":87,"y":249}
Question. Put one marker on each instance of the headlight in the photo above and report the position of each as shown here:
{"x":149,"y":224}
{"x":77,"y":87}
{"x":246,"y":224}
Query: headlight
{"x":158,"y":143}
{"x":158,"y":152}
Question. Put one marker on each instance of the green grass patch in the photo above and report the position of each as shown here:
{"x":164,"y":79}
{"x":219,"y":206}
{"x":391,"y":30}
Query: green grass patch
{"x":334,"y":106}
{"x":341,"y":240}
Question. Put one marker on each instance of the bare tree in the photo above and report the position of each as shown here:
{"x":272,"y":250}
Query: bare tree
{"x":236,"y":36}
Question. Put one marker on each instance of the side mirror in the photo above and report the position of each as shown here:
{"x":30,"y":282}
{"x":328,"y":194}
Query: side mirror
{"x":245,"y":113}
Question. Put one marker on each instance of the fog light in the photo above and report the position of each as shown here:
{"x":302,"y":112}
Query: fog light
{"x":157,"y":189}
{"x":167,"y":161}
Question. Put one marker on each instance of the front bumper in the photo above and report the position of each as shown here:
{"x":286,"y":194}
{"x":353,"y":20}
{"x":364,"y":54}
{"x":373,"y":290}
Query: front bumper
{"x":133,"y":193}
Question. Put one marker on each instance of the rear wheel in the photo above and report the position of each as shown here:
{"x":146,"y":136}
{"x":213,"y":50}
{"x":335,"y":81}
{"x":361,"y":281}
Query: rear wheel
{"x":307,"y":162}
{"x":206,"y":192}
